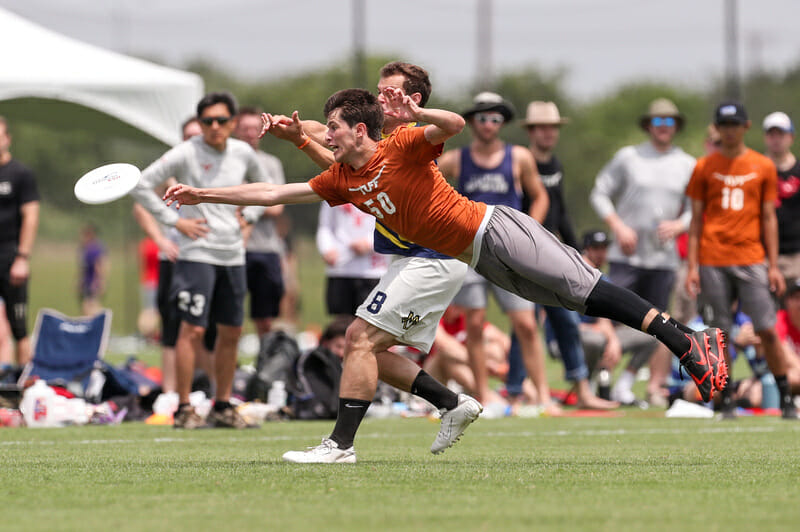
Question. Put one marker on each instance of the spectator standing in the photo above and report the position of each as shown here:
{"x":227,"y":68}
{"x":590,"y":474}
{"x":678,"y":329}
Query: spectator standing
{"x":778,"y":139}
{"x":543,"y":122}
{"x":94,"y":266}
{"x":640,"y":195}
{"x":344,"y":239}
{"x":209,"y":282}
{"x":264,"y":246}
{"x":496,"y":173}
{"x":734,"y":229}
{"x":19,"y":221}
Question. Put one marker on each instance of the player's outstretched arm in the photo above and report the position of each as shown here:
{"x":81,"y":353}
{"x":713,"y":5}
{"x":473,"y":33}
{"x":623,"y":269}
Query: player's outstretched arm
{"x":442,"y":124}
{"x":248,"y":194}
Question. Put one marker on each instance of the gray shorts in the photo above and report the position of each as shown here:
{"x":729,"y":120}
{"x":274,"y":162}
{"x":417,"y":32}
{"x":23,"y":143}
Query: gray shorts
{"x":474,"y":294}
{"x":722,"y":286}
{"x":518,"y":254}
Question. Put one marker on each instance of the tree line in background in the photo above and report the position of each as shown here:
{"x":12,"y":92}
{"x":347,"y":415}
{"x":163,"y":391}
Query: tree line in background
{"x":598,"y":128}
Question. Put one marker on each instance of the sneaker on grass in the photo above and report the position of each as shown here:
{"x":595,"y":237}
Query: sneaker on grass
{"x":455,"y":422}
{"x":187,"y":418}
{"x":327,"y":452}
{"x":228,"y":418}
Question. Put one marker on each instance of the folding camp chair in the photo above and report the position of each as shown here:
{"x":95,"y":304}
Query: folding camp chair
{"x":66,"y":350}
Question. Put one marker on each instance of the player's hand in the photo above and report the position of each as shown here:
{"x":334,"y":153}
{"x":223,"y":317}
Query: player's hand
{"x":168,"y":248}
{"x":777,"y":284}
{"x":627,"y":239}
{"x":193,"y":228}
{"x":284,"y":127}
{"x":181,"y":194}
{"x":19,"y":272}
{"x":668,"y":230}
{"x":692,"y":282}
{"x":399,"y":105}
{"x":330,"y":257}
{"x":361,"y":247}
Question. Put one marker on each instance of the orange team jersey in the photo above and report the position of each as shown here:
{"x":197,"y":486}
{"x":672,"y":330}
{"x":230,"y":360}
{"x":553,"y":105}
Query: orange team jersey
{"x":734,"y":192}
{"x":402,"y":187}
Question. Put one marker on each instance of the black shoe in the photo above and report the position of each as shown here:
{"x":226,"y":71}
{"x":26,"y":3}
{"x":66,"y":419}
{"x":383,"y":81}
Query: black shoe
{"x":705,"y":361}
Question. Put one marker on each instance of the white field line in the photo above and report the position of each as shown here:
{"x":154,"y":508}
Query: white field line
{"x":416,"y":434}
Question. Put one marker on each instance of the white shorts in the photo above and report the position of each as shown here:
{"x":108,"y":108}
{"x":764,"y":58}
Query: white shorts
{"x":411,"y":297}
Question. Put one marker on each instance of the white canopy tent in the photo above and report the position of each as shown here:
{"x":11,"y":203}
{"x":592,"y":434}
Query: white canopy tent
{"x":61,"y":82}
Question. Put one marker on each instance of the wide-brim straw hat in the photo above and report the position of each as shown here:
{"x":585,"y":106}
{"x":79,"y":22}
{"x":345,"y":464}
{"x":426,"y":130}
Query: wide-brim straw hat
{"x":661,"y":107}
{"x":543,"y":114}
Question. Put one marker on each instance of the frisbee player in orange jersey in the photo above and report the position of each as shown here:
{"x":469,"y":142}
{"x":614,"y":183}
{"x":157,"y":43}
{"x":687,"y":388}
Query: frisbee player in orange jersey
{"x":394,"y":180}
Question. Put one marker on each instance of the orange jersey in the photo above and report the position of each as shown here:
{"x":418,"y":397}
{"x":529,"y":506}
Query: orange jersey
{"x":402,"y":187}
{"x":734,"y":192}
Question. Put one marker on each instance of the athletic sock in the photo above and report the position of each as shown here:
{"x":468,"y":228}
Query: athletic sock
{"x":610,"y":301}
{"x":675,"y":323}
{"x":219,"y":406}
{"x":669,"y":335}
{"x":351,"y":412}
{"x":784,"y":389}
{"x":434,"y":391}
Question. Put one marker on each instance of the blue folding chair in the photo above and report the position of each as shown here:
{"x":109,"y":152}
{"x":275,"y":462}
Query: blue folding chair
{"x":66,"y":350}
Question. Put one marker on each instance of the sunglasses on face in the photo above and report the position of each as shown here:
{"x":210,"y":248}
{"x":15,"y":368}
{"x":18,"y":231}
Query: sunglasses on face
{"x":662,"y":121}
{"x":494,"y":119}
{"x":208,"y":120}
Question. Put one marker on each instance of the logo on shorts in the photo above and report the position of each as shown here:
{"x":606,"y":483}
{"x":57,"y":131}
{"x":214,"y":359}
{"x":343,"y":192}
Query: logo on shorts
{"x":410,"y":320}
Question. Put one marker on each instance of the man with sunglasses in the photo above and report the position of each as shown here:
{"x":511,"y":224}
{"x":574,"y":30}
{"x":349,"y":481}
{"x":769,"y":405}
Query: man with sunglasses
{"x":640,"y":195}
{"x":496,"y":173}
{"x":209,"y":282}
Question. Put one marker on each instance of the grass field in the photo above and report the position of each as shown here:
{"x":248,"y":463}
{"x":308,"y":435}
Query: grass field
{"x":636,"y":472}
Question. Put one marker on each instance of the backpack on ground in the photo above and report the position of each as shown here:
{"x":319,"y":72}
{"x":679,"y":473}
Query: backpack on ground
{"x":274,"y":363}
{"x":314,"y":385}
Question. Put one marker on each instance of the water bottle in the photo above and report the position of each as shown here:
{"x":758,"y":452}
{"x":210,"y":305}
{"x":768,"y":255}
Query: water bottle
{"x":37,"y":405}
{"x":277,"y":394}
{"x":770,"y":396}
{"x":604,"y":384}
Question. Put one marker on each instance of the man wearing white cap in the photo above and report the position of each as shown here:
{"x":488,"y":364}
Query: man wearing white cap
{"x":640,"y":195}
{"x":778,"y":139}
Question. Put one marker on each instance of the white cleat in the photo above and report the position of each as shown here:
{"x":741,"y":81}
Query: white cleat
{"x":326,"y":452}
{"x":455,"y":422}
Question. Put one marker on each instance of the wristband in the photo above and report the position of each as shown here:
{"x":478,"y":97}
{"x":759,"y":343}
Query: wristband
{"x":25,"y":256}
{"x":304,"y":144}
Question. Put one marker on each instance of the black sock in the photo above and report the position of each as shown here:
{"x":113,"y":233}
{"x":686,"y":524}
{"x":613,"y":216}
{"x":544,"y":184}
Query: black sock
{"x":784,"y":389}
{"x":181,"y":406}
{"x":681,"y":326}
{"x":610,"y":301}
{"x":669,"y":335}
{"x":219,"y":406}
{"x":351,"y":412}
{"x":434,"y":391}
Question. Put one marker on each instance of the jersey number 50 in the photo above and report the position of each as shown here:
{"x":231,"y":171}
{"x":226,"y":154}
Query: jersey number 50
{"x":386,"y":205}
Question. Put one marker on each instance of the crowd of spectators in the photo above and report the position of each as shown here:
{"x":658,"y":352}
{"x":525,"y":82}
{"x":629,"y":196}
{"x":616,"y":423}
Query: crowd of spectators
{"x":714,"y":239}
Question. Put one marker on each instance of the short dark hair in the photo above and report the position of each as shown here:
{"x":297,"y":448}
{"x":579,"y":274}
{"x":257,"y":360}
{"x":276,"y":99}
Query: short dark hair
{"x":416,"y":79}
{"x":250,"y":110}
{"x":213,"y":98}
{"x":358,"y":106}
{"x":338,"y":327}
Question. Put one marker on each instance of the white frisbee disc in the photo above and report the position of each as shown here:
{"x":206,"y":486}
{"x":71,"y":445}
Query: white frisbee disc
{"x":107,"y":183}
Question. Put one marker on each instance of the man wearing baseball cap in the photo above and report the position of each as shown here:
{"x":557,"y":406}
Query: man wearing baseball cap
{"x":640,"y":195}
{"x":778,"y":139}
{"x":734,"y":229}
{"x":496,"y":173}
{"x":543,"y":122}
